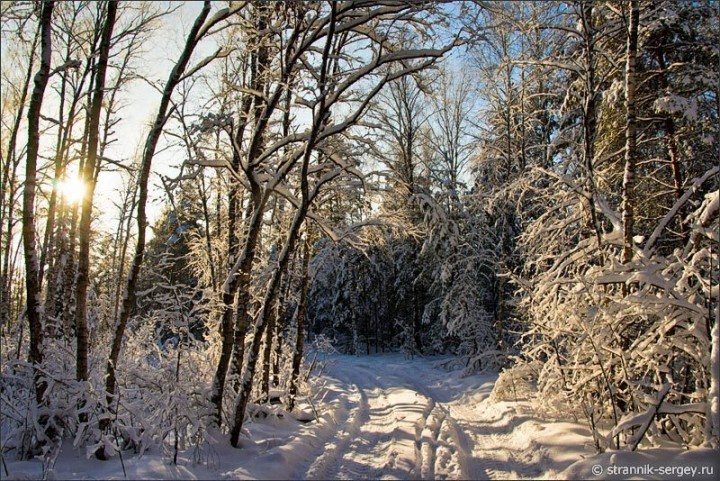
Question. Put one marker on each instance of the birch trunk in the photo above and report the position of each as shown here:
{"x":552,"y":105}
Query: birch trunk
{"x":628,"y":191}
{"x":32,"y":275}
{"x":81,"y":287}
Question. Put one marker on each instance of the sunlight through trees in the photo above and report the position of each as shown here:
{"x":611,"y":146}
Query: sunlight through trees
{"x":528,"y":188}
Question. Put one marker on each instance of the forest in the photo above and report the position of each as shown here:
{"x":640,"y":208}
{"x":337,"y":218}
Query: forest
{"x":202,"y":200}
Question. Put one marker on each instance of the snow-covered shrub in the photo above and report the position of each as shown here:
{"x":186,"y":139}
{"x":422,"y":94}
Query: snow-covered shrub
{"x":516,"y":383}
{"x":70,"y":406}
{"x":162,"y":400}
{"x":318,"y":355}
{"x":17,"y":414}
{"x":615,"y":336}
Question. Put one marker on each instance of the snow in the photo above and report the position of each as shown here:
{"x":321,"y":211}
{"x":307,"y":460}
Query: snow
{"x":389,"y":417}
{"x":674,"y":104}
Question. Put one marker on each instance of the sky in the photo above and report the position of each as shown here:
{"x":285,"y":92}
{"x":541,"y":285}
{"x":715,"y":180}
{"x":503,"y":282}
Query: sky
{"x":140,"y":102}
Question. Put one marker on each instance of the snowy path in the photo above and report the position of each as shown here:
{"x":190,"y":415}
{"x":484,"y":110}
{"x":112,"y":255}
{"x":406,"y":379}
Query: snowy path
{"x":382,"y":417}
{"x":409,"y":420}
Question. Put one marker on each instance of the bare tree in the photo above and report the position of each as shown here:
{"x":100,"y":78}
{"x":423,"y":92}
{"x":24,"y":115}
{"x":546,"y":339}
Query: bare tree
{"x":335,"y":29}
{"x":32,"y":274}
{"x":402,"y":118}
{"x":201,"y":27}
{"x":10,"y":163}
{"x":450,"y":139}
{"x":233,"y":333}
{"x":89,"y":179}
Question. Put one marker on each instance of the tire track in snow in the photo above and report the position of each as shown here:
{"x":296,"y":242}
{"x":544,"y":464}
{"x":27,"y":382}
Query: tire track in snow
{"x":429,"y":442}
{"x":501,"y":451}
{"x":455,"y":461}
{"x":484,"y":434}
{"x":400,"y":429}
{"x":386,"y":441}
{"x":484,"y":465}
{"x":322,"y":467}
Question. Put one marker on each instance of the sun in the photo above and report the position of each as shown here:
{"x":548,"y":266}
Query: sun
{"x":72,"y":190}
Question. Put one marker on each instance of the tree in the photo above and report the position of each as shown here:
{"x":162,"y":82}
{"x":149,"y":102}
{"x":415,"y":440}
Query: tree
{"x":586,"y":298}
{"x":335,"y":30}
{"x":89,"y":169}
{"x":450,"y":135}
{"x":233,"y":336}
{"x":630,"y":132}
{"x":8,"y":181}
{"x":199,"y":29}
{"x":32,"y":274}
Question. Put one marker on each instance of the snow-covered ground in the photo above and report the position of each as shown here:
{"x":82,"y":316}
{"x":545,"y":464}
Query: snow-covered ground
{"x":388,"y":417}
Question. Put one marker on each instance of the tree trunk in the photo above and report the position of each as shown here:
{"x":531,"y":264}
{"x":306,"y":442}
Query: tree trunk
{"x":673,"y":152}
{"x":233,"y":344}
{"x":628,"y":193}
{"x":260,"y":323}
{"x":32,"y":275}
{"x":277,"y":346}
{"x":126,"y":216}
{"x":280,"y":315}
{"x":202,"y":192}
{"x":300,"y":339}
{"x":81,"y":287}
{"x":233,"y":349}
{"x":58,"y":174}
{"x":589,"y":116}
{"x":67,"y":296}
{"x":267,"y":355}
{"x":65,"y":299}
